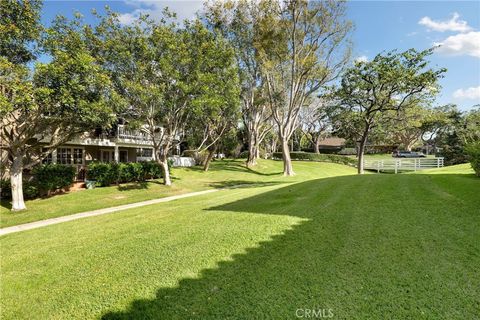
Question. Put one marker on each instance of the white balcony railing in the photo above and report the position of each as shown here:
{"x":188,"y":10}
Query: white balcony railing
{"x":136,"y":136}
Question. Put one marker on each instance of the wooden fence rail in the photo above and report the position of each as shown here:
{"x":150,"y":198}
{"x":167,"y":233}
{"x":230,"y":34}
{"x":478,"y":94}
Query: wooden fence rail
{"x":403,"y":164}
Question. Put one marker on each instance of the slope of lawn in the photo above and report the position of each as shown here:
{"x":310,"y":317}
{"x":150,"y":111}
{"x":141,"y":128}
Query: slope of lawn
{"x":403,"y":246}
{"x":222,"y":173}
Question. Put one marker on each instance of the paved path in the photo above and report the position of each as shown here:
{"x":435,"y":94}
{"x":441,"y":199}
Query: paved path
{"x":47,"y":222}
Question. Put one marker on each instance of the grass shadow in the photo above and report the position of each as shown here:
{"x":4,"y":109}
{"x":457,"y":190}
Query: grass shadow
{"x":243,"y":184}
{"x":375,"y":246}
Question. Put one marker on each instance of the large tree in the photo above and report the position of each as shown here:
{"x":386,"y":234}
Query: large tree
{"x":237,"y":21}
{"x":371,"y":90}
{"x":302,"y":47}
{"x":216,"y":92}
{"x":46,"y":107}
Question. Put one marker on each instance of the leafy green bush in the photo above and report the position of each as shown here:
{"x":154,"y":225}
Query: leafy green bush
{"x":5,"y":189}
{"x":104,"y":173}
{"x":318,"y":157}
{"x":30,"y":190}
{"x":244,"y":154}
{"x":51,"y":177}
{"x":473,"y":153}
{"x":348,"y":152}
{"x":151,"y":170}
{"x":109,"y":173}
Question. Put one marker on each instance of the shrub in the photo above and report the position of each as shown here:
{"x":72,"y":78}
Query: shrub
{"x":243,"y":154}
{"x":30,"y":190}
{"x":348,"y":152}
{"x":51,"y":177}
{"x":473,"y":153}
{"x":108,"y":173}
{"x":104,"y":173}
{"x":5,"y":189}
{"x":151,"y":170}
{"x":334,"y":158}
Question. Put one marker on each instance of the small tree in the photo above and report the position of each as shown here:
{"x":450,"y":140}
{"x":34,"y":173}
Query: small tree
{"x":314,"y":123}
{"x":390,"y":82}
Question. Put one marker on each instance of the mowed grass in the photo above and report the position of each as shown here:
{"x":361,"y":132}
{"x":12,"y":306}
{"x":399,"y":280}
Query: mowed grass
{"x":222,"y":174}
{"x":403,"y":246}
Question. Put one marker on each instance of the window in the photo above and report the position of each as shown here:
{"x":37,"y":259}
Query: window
{"x":146,"y":153}
{"x":77,"y":156}
{"x":64,"y":155}
{"x":48,"y":158}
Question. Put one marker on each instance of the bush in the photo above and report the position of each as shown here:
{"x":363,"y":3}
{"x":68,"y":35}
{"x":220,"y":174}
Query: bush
{"x":334,"y":158}
{"x":243,"y":154}
{"x":473,"y":153}
{"x":348,"y":152}
{"x":104,"y":173}
{"x":109,"y":173}
{"x":51,"y":177}
{"x":5,"y":189}
{"x":30,"y":190}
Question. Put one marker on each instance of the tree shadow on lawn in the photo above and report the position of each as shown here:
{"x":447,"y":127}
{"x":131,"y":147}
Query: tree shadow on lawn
{"x":233,"y":165}
{"x":356,"y":250}
{"x":238,"y":184}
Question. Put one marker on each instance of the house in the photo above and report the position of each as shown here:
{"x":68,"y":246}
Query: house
{"x":120,"y":144}
{"x":331,"y":144}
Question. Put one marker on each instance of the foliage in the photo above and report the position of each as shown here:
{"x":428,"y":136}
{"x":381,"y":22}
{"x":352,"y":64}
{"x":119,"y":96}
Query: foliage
{"x":19,"y":27}
{"x":109,"y":173}
{"x":334,"y":158}
{"x":30,"y":189}
{"x":303,"y":46}
{"x":370,"y":91}
{"x":198,"y":156}
{"x":473,"y":152}
{"x":51,"y":177}
{"x":348,"y":151}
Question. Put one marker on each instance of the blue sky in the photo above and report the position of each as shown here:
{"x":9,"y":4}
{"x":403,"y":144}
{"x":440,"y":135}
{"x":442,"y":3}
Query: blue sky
{"x":379,"y":26}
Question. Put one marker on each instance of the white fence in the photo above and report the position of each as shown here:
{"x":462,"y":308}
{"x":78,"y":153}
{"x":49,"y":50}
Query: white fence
{"x":182,"y":161}
{"x":403,"y":164}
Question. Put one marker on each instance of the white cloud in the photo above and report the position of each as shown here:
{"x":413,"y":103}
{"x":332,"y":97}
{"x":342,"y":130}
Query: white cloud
{"x":183,"y":9}
{"x":449,"y":25}
{"x":472,"y":93}
{"x":461,"y":44}
{"x":361,"y":59}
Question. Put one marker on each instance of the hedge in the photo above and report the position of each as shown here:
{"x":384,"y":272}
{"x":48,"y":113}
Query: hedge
{"x":46,"y":178}
{"x":106,"y":174}
{"x":318,"y":157}
{"x":51,"y":177}
{"x":473,"y":153}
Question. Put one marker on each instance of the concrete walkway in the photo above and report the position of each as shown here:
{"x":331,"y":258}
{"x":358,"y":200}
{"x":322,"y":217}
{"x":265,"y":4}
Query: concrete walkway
{"x":47,"y":222}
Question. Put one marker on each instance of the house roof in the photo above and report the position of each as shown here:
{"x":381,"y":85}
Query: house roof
{"x":332,"y":142}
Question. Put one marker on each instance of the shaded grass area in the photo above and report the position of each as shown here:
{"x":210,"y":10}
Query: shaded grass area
{"x":373,"y":246}
{"x":222,"y":174}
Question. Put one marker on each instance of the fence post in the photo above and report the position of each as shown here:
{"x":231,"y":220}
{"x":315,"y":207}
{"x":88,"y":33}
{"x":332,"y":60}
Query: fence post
{"x":378,"y":166}
{"x":415,"y":164}
{"x":396,"y":166}
{"x":438,"y":162}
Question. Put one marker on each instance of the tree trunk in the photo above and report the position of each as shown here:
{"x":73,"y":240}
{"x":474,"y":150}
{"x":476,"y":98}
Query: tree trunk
{"x":16,"y":182}
{"x":287,"y":161}
{"x":361,"y":153}
{"x":211,"y":153}
{"x":316,"y":148}
{"x":251,"y":160}
{"x":165,"y":172}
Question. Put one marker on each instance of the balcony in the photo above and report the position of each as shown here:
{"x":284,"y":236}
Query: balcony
{"x":132,"y":136}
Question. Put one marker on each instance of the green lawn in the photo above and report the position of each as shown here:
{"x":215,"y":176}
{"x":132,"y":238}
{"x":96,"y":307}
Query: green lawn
{"x":403,"y":246}
{"x":222,"y":174}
